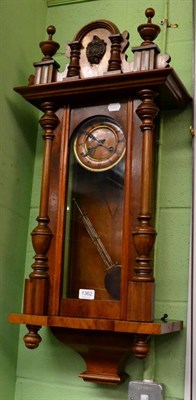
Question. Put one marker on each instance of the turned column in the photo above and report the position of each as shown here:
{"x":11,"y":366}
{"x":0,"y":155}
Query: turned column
{"x":114,"y":64}
{"x":37,"y":286}
{"x":141,"y":285}
{"x":74,"y":65}
{"x":144,"y":234}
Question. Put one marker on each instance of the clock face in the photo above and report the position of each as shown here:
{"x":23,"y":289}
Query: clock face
{"x":99,"y":143}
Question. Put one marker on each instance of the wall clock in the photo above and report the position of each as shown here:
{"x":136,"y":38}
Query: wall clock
{"x":92,"y":279}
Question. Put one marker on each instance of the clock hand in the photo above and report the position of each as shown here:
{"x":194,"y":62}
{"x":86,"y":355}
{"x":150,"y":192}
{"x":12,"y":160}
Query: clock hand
{"x":91,"y":150}
{"x":100,"y":141}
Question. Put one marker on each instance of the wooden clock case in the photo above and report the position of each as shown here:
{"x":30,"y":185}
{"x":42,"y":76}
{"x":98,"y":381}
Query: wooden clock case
{"x":99,"y":82}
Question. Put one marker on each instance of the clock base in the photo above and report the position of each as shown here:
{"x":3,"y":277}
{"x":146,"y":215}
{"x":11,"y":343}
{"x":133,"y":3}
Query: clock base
{"x":109,"y":379}
{"x":104,"y":344}
{"x":105,"y":353}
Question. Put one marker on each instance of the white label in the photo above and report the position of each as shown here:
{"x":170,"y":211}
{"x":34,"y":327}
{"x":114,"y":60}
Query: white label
{"x":144,"y":397}
{"x":114,"y":107}
{"x":87,"y":294}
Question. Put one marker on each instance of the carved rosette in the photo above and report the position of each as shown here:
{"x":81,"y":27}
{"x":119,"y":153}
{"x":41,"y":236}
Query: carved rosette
{"x":95,"y":50}
{"x":144,"y":234}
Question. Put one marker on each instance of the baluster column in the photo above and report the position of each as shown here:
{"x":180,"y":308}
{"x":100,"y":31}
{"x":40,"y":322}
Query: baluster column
{"x":74,"y":65}
{"x":144,"y":234}
{"x":36,"y":287}
{"x":114,"y":63}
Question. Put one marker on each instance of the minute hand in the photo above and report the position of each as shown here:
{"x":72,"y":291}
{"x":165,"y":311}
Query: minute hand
{"x":91,"y":150}
{"x":99,"y":141}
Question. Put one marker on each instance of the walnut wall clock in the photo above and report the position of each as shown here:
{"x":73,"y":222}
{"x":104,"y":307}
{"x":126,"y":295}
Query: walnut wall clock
{"x":92,"y":279}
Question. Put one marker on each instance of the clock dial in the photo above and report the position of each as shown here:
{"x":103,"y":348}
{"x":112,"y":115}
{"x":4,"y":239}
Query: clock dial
{"x":99,"y":143}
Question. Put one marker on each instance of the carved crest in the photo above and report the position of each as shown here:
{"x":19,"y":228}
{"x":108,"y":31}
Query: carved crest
{"x":95,"y":50}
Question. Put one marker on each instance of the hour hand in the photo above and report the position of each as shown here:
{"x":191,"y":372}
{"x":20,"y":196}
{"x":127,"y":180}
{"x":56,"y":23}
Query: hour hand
{"x":99,"y":141}
{"x":89,"y":151}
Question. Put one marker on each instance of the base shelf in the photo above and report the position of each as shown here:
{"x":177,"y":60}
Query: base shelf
{"x":104,"y":344}
{"x":146,"y":328}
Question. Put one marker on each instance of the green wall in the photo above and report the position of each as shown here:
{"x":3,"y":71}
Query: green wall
{"x":21,"y":26}
{"x":51,"y":371}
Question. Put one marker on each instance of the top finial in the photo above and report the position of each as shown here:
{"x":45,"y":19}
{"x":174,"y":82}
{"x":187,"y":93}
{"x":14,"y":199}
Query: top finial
{"x":51,"y":31}
{"x":148,"y":31}
{"x":149,"y":13}
{"x":49,"y":47}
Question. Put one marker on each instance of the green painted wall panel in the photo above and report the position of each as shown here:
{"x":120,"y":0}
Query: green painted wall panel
{"x":172,"y":254}
{"x":38,"y":170}
{"x":174,"y":309}
{"x":18,"y":126}
{"x":175,"y":158}
{"x":170,"y":355}
{"x":51,"y":371}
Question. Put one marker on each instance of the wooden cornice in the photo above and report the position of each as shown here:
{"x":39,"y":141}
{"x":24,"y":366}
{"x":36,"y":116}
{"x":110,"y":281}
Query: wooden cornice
{"x":173,"y":94}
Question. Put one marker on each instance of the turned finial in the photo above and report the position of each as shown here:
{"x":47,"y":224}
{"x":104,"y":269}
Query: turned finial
{"x":149,"y":13}
{"x":51,"y":30}
{"x":32,"y":339}
{"x":148,"y":31}
{"x":49,"y":47}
